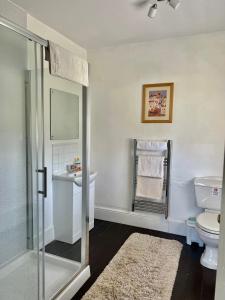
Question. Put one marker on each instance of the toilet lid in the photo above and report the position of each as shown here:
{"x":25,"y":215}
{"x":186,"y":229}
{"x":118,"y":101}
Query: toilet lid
{"x":209,"y":222}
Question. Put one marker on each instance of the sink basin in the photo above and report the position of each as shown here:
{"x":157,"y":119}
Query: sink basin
{"x":76,"y":178}
{"x":74,"y":174}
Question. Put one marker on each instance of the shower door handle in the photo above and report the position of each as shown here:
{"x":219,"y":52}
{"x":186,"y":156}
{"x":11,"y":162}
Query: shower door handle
{"x":44,"y":171}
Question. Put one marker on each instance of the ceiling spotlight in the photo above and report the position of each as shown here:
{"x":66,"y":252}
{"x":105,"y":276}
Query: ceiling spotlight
{"x":153,"y":11}
{"x":174,"y":3}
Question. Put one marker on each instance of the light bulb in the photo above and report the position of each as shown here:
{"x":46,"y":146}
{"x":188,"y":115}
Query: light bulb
{"x":153,"y":11}
{"x":174,"y":3}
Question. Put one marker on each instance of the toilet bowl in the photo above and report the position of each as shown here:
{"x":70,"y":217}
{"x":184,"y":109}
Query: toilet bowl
{"x":208,"y":191}
{"x":208,"y":230}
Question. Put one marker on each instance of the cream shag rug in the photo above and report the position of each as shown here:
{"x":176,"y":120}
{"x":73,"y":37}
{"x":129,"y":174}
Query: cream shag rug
{"x":144,"y":268}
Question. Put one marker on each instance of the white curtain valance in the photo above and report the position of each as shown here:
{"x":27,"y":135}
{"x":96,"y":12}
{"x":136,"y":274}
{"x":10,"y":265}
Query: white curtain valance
{"x":63,"y":63}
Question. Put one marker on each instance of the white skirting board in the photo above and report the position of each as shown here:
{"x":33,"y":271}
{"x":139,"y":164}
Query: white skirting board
{"x":49,"y":236}
{"x":141,"y":219}
{"x":77,"y":236}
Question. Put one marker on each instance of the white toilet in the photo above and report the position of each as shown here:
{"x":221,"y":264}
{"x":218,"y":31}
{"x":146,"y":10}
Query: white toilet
{"x":208,"y":191}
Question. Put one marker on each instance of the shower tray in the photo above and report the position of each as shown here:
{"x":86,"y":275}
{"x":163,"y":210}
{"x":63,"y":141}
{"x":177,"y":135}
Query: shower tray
{"x":22,"y":272}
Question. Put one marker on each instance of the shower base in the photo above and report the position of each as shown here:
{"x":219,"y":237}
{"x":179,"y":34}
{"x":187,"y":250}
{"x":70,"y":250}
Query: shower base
{"x":18,"y":279}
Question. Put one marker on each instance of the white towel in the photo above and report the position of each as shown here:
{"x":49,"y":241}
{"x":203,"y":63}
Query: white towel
{"x":65,"y":64}
{"x":148,"y":153}
{"x":151,"y":145}
{"x":150,"y":166}
{"x":149,"y":187}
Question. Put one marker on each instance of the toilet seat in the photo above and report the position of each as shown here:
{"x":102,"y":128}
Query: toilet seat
{"x":208,"y":222}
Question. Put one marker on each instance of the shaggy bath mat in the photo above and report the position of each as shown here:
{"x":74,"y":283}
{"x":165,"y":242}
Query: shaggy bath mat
{"x":144,"y":268}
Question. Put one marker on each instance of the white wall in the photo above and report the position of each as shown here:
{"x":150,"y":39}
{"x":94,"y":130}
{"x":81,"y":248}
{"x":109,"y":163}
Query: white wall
{"x":196,"y":66}
{"x":13,"y":12}
{"x":46,"y":32}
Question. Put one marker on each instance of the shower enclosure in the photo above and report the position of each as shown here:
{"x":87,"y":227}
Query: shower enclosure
{"x":27,"y":272}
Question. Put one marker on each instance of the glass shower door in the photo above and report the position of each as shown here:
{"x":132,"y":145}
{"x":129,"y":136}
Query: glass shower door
{"x":32,"y":267}
{"x":21,"y":155}
{"x":65,"y":256}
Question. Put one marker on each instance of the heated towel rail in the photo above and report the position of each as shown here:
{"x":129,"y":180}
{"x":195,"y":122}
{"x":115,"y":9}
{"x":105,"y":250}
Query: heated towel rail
{"x":148,"y":204}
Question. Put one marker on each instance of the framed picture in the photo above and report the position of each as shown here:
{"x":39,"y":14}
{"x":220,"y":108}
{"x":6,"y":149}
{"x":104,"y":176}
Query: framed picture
{"x":157,"y":103}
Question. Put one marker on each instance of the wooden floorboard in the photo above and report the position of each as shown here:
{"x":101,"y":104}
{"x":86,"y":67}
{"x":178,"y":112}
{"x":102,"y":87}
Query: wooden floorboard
{"x":193,"y":282}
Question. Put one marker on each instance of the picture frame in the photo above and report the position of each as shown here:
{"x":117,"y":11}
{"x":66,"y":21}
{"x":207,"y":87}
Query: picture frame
{"x":157,"y":102}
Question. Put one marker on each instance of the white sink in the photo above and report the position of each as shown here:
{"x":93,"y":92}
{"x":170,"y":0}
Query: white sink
{"x":77,"y":179}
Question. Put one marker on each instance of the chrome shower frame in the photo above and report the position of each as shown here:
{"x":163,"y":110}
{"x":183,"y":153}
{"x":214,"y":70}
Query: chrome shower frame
{"x":84,"y":271}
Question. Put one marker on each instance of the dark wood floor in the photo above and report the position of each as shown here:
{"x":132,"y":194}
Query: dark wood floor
{"x":193,"y":282}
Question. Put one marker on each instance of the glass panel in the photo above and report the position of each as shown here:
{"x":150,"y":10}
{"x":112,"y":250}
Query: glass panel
{"x":20,"y":209}
{"x":63,"y":254}
{"x":30,"y":269}
{"x":64,"y":115}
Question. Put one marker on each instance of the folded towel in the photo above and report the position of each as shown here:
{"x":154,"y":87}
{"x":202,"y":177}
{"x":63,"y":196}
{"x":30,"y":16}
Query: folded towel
{"x":150,"y":166}
{"x":151,"y":145}
{"x":149,"y":187}
{"x":65,"y":64}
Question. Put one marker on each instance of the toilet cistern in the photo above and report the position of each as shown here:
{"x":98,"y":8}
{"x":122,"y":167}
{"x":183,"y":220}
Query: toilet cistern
{"x":208,"y":192}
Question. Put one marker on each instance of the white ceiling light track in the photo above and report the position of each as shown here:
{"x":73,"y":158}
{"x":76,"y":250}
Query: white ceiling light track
{"x":154,"y":8}
{"x":154,"y":5}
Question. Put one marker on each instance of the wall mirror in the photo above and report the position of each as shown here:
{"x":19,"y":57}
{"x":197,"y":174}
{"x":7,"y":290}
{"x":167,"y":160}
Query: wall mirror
{"x":64,"y":115}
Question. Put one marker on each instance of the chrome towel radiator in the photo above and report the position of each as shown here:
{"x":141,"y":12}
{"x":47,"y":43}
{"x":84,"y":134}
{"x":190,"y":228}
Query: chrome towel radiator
{"x":148,"y":204}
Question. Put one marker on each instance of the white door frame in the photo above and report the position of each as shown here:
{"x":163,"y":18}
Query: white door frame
{"x":220,"y":279}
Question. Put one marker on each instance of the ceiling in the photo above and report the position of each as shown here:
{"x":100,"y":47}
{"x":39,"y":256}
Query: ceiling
{"x":102,"y":23}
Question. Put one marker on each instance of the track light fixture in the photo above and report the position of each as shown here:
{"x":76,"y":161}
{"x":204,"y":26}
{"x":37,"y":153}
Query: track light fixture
{"x":174,"y":3}
{"x":154,"y":7}
{"x":153,"y":11}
